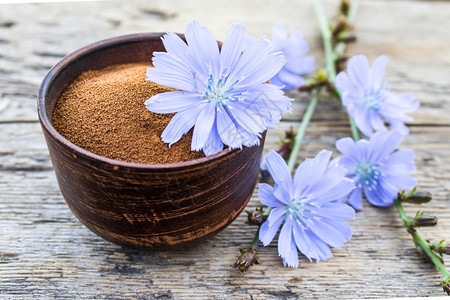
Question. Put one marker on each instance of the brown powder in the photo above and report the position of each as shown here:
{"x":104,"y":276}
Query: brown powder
{"x":103,"y":112}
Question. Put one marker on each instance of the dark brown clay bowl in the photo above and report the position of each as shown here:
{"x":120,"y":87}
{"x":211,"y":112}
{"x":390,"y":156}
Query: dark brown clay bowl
{"x":140,"y":205}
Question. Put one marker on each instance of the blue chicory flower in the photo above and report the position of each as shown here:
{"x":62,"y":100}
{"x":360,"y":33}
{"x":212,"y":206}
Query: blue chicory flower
{"x":368,"y":99}
{"x":313,"y":220}
{"x":376,"y":170}
{"x":222,"y":94}
{"x":294,"y":48}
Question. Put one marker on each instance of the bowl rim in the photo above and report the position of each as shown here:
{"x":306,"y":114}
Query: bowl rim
{"x":79,"y":54}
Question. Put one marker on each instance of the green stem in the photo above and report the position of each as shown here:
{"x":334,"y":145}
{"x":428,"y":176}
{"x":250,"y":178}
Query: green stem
{"x":418,"y":240}
{"x":354,"y":129}
{"x":302,"y":129}
{"x":255,"y":242}
{"x":326,"y":38}
{"x":339,"y":49}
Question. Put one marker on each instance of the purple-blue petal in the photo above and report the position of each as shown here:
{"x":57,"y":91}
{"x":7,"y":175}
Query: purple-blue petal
{"x":358,"y":70}
{"x":213,"y":144}
{"x":270,"y":66}
{"x":227,"y":130}
{"x":310,"y":171}
{"x":278,"y":169}
{"x":399,"y":162}
{"x":204,"y":47}
{"x":289,"y":80}
{"x":377,"y":71}
{"x":355,"y":199}
{"x":268,"y":232}
{"x":286,"y":245}
{"x":266,"y":197}
{"x":172,"y":102}
{"x":180,"y":124}
{"x":338,"y":211}
{"x":382,"y":144}
{"x":203,"y":126}
{"x":383,"y":195}
{"x":232,"y":46}
{"x":279,"y":35}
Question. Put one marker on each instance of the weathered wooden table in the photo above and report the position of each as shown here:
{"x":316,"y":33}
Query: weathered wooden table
{"x":46,"y":252}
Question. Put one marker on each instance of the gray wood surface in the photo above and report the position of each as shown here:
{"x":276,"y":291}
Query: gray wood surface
{"x":45,"y":252}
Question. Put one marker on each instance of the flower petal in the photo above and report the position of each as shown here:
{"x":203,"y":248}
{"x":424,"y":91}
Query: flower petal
{"x":181,"y":123}
{"x":399,"y":162}
{"x":171,"y":102}
{"x":248,"y":139}
{"x":302,"y":241}
{"x":213,"y":143}
{"x":310,"y":171}
{"x":203,"y":126}
{"x":300,"y":66}
{"x":358,"y":70}
{"x":402,"y":181}
{"x":176,"y":47}
{"x":266,"y":197}
{"x":204,"y":47}
{"x":329,"y":232}
{"x":297,"y":46}
{"x":376,"y":121}
{"x":167,"y":77}
{"x":347,"y":146}
{"x":290,"y":80}
{"x":249,"y":120}
{"x":227,"y":130}
{"x":322,"y":249}
{"x":251,"y":59}
{"x":344,"y":84}
{"x":337,"y":211}
{"x":377,"y":71}
{"x":382,"y":144}
{"x":399,"y":126}
{"x":286,"y":245}
{"x":279,"y":35}
{"x":383,"y":195}
{"x":268,"y":232}
{"x":279,"y":171}
{"x":232,"y":46}
{"x":362,"y":121}
{"x":332,"y":187}
{"x":255,"y":74}
{"x":355,"y":199}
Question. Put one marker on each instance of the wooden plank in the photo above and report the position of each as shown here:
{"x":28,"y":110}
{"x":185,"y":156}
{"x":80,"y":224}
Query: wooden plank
{"x":35,"y":42}
{"x":45,"y":251}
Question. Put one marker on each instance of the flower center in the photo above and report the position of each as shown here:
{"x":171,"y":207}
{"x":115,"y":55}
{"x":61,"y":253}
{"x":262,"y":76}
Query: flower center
{"x":301,"y":210}
{"x":373,"y":99}
{"x":367,"y":174}
{"x":220,"y":94}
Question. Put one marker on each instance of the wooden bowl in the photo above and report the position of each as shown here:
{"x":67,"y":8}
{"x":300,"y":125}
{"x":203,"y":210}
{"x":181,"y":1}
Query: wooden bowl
{"x":141,"y":205}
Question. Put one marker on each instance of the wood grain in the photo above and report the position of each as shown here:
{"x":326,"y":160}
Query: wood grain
{"x":45,"y":252}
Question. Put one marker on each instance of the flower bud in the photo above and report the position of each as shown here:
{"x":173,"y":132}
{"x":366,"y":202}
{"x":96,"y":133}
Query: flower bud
{"x":440,"y":247}
{"x":345,"y":7}
{"x":446,"y":286}
{"x":346,"y":38}
{"x":340,"y":26}
{"x":246,"y":260}
{"x":255,"y":217}
{"x":422,"y":220}
{"x":417,"y":198}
